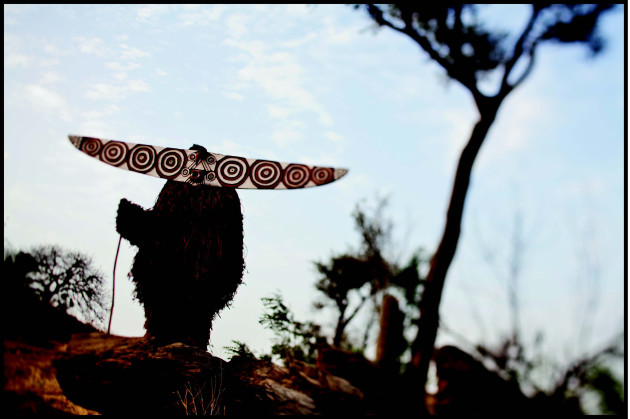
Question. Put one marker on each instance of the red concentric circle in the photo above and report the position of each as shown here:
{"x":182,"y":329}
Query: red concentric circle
{"x":266,"y":174}
{"x":91,"y":146}
{"x":322,"y":175}
{"x":296,"y":176}
{"x":141,"y":158}
{"x":232,"y":171}
{"x":170,"y":162}
{"x":114,"y":153}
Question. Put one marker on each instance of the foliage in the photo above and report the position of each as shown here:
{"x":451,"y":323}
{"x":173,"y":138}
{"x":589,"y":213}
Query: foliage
{"x":601,"y":380}
{"x":367,"y":273}
{"x":297,"y":340}
{"x":66,"y":280}
{"x":240,"y":350}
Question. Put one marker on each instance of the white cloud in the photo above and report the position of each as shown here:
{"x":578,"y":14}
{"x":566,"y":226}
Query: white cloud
{"x":334,"y":34}
{"x":116,"y":92}
{"x":233,"y":95}
{"x":47,"y":101}
{"x":92,"y":46}
{"x":138,"y":85}
{"x":50,"y":77}
{"x":116,"y":66}
{"x":97,"y":128}
{"x":297,"y":10}
{"x":195,"y":14}
{"x":16,"y":60}
{"x":237,"y":24}
{"x":53,"y":49}
{"x":131,"y":53}
{"x":148,"y":11}
{"x":280,"y":112}
{"x":513,"y":130}
{"x":282,"y":78}
{"x":333,"y":136}
{"x":287,"y":134}
{"x":107,"y":111}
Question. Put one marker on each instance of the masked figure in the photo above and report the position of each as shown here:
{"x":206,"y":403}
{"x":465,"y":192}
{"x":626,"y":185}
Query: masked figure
{"x":189,"y":261}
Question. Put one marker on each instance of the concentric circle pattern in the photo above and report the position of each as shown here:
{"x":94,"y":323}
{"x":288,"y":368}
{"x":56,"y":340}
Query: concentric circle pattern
{"x":232,"y":171}
{"x":170,"y":162}
{"x":114,"y":153}
{"x":91,"y":146}
{"x":322,"y":175}
{"x":296,"y":176}
{"x":199,"y":167}
{"x":141,"y":158}
{"x":266,"y":174}
{"x":211,"y":159}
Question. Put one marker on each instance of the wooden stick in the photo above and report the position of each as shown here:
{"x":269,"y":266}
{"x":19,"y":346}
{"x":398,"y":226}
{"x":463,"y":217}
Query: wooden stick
{"x":111,"y":310}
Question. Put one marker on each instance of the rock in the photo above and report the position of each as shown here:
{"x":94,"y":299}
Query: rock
{"x":117,"y":375}
{"x":30,"y":382}
{"x":466,"y":386}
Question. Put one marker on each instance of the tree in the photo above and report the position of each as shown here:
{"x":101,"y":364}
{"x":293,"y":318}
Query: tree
{"x":342,"y":275}
{"x":298,"y":340}
{"x":367,"y":272}
{"x":67,"y":280}
{"x":453,"y":37}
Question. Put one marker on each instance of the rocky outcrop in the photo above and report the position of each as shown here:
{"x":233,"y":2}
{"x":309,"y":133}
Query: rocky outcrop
{"x":95,"y":373}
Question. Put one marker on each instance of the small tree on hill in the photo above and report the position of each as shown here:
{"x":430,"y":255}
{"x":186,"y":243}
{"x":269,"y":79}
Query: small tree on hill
{"x":67,"y":280}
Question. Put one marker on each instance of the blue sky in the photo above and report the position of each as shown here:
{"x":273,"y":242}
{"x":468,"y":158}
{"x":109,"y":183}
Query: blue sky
{"x":318,"y":85}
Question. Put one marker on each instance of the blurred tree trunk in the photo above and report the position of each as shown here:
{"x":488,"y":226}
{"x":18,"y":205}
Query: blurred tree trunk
{"x":422,"y":348}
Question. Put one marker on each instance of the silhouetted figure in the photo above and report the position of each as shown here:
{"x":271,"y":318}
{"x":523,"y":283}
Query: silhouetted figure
{"x":189,"y":261}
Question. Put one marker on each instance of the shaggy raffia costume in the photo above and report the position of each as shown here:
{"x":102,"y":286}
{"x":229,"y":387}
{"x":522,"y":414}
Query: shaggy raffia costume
{"x":189,"y":261}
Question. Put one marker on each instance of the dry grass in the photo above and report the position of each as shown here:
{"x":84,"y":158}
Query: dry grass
{"x":200,"y":400}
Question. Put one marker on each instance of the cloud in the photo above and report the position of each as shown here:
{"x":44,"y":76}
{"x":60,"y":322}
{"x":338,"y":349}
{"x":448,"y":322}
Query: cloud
{"x":333,"y":136}
{"x":91,"y":46}
{"x":279,"y":112}
{"x":195,"y":14}
{"x":50,"y":77}
{"x":115,"y":92}
{"x":53,"y":49}
{"x":13,"y":52}
{"x":233,"y":95}
{"x":237,"y":24}
{"x":116,"y":66}
{"x":281,"y":77}
{"x":47,"y":101}
{"x":148,"y":11}
{"x":131,"y":53}
{"x":107,"y":111}
{"x":16,"y":60}
{"x":287,"y":133}
{"x":514,"y":130}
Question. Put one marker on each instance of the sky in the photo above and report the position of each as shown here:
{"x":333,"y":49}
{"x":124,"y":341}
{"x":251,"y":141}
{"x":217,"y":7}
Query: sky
{"x":319,"y":85}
